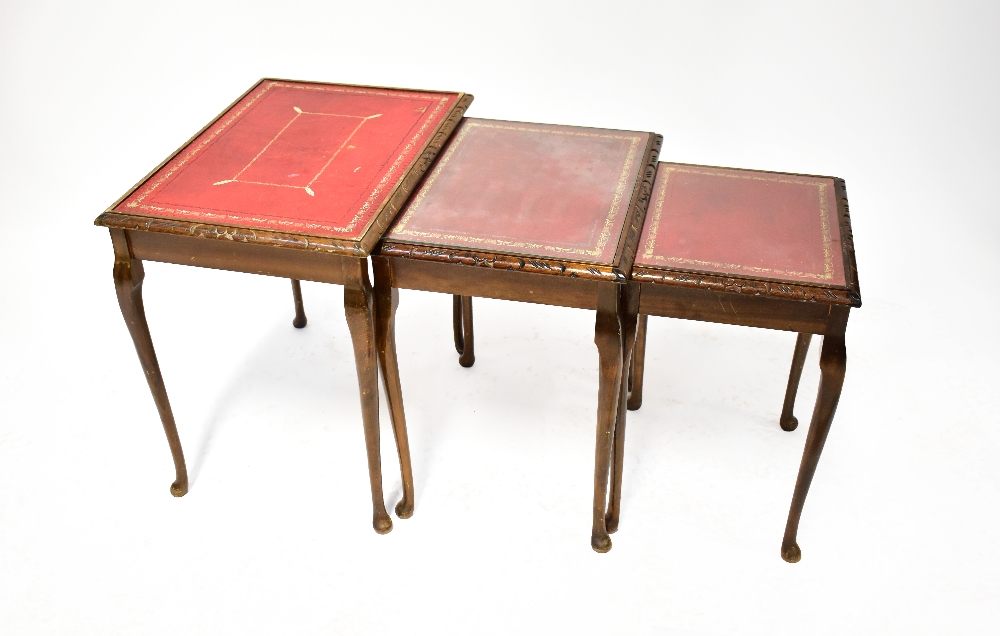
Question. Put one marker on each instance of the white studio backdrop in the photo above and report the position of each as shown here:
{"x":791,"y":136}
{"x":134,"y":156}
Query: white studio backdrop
{"x":898,"y":533}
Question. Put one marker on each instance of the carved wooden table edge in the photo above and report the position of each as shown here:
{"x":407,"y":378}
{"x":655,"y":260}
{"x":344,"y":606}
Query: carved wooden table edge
{"x":500,"y":261}
{"x":270,"y":238}
{"x":746,"y":285}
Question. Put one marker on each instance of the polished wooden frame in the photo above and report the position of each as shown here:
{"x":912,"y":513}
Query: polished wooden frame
{"x":294,"y":255}
{"x":604,"y":288}
{"x":772,"y":304}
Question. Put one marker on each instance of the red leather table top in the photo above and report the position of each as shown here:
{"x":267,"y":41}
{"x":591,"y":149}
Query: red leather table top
{"x":527,"y":189}
{"x":318,"y":159}
{"x":744,"y":223}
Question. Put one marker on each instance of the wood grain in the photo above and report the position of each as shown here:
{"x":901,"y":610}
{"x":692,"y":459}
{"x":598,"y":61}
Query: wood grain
{"x":788,"y":421}
{"x":386,"y":301}
{"x":608,"y":338}
{"x":236,"y":256}
{"x":732,"y":309}
{"x":129,"y":275}
{"x":359,"y":309}
{"x":465,"y":337}
{"x":492,"y":283}
{"x":833,"y":366}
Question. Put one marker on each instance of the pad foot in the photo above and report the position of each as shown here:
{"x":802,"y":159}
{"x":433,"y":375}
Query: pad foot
{"x":600,"y":543}
{"x":404,"y":509}
{"x":791,"y":424}
{"x":791,"y":553}
{"x":382,"y":525}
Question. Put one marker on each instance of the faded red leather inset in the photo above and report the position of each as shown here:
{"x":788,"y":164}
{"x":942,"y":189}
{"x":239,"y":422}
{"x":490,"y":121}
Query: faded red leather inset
{"x":756,"y":224}
{"x":527,"y":189}
{"x":311,"y":158}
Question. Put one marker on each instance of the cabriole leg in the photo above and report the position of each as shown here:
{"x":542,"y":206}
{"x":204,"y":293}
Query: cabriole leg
{"x":386,"y":301}
{"x":462,"y":325}
{"x":359,"y":307}
{"x":788,"y":420}
{"x":629,"y":302}
{"x":637,"y":365}
{"x":129,"y":274}
{"x":300,"y":311}
{"x":833,"y":365}
{"x":608,"y":338}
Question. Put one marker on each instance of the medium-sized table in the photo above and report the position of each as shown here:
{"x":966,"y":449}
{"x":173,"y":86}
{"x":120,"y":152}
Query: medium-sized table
{"x":535,"y":213}
{"x":760,"y":249}
{"x":298,"y":180}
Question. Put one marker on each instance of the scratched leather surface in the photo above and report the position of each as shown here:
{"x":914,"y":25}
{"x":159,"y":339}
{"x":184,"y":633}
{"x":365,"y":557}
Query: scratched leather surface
{"x":296,"y":157}
{"x":756,"y":224}
{"x":527,"y":189}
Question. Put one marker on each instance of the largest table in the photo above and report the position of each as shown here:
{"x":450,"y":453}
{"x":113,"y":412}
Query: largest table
{"x":298,"y":180}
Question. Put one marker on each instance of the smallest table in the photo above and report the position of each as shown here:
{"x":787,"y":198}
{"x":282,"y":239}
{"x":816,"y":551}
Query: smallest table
{"x":761,"y":249}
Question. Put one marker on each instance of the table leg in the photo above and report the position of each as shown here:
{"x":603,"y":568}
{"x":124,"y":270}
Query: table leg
{"x":359,"y":308}
{"x":629,"y":311}
{"x":788,"y":421}
{"x":608,"y":338}
{"x":300,"y":312}
{"x":462,"y":324}
{"x":386,"y":301}
{"x":129,"y":274}
{"x":833,"y":365}
{"x":637,"y":366}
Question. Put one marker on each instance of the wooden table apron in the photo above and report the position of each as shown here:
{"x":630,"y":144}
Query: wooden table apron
{"x":132,"y":247}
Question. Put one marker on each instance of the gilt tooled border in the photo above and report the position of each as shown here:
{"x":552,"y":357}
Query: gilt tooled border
{"x":824,"y":220}
{"x":350,"y":247}
{"x":602,"y":241}
{"x":118,"y":220}
{"x":738,"y":285}
{"x":494,"y":260}
{"x":380,"y":223}
{"x":386,"y":178}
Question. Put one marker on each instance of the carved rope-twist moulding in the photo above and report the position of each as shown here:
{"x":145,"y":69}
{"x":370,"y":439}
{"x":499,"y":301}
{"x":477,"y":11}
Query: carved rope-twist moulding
{"x":223,"y":232}
{"x":847,"y":245}
{"x":743,"y":286}
{"x":637,"y":213}
{"x":493,"y":260}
